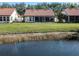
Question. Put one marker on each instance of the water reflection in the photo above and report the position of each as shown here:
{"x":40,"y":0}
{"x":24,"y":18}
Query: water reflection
{"x":38,"y":48}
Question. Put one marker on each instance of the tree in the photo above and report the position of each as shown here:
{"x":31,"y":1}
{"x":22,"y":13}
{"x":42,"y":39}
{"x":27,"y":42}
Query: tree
{"x":40,"y":6}
{"x":57,"y":8}
{"x":6,"y":5}
{"x":20,"y":8}
{"x":72,"y":5}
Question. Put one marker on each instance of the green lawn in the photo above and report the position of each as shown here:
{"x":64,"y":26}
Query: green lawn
{"x":38,"y":27}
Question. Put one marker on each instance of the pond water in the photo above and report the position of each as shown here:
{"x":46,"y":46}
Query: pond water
{"x":41,"y":48}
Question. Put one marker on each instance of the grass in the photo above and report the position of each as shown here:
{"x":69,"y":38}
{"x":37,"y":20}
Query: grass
{"x":38,"y":27}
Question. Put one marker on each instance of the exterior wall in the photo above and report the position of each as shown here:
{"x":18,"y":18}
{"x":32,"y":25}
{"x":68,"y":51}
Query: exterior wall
{"x":13,"y":16}
{"x":19,"y":19}
{"x":71,"y":18}
{"x":29,"y":19}
{"x":44,"y":19}
{"x":39,"y":19}
{"x":4,"y":19}
{"x":74,"y":19}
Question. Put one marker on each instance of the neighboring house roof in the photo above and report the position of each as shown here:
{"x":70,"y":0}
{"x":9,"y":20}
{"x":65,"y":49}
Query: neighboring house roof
{"x":71,"y":11}
{"x":38,"y":12}
{"x":6,"y":11}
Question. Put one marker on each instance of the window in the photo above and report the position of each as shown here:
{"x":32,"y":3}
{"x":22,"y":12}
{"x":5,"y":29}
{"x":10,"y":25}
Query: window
{"x":30,"y":18}
{"x":7,"y":18}
{"x":0,"y":18}
{"x":4,"y":18}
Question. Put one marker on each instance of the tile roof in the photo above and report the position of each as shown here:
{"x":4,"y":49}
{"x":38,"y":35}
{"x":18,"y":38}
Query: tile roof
{"x":6,"y":11}
{"x":38,"y":12}
{"x":72,"y":11}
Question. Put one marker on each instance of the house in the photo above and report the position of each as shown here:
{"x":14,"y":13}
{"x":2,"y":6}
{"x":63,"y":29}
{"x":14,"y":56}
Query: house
{"x":8,"y":15}
{"x":71,"y":14}
{"x":38,"y":15}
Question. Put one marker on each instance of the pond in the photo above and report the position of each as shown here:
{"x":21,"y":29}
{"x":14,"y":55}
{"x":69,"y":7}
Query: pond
{"x":41,"y":48}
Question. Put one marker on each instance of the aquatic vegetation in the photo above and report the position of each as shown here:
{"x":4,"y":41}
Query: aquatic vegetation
{"x":13,"y":38}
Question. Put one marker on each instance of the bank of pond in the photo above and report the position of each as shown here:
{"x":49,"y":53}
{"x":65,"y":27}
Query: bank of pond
{"x":22,"y":37}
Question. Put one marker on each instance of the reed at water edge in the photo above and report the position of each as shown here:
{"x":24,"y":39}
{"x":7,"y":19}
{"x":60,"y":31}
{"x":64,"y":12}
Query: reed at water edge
{"x":14,"y":38}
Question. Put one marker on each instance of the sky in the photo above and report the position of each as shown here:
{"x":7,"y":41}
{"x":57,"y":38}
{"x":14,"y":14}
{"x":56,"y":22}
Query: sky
{"x":31,"y":3}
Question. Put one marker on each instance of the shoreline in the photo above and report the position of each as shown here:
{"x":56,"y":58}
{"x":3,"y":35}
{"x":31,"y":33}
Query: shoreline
{"x":21,"y":37}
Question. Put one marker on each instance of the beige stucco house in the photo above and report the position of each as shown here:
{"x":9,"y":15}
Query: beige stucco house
{"x":71,"y":14}
{"x":39,"y":15}
{"x":8,"y":15}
